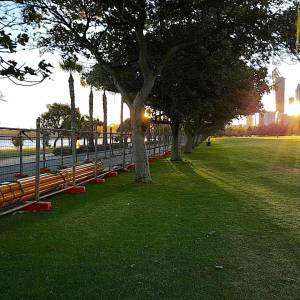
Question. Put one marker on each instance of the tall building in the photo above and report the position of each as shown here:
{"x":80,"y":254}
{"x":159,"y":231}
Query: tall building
{"x":280,"y":93}
{"x":250,"y":121}
{"x":267,"y":118}
{"x":292,"y":100}
{"x":298,"y":93}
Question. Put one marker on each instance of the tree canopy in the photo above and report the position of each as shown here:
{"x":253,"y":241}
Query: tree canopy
{"x":13,"y":37}
{"x":134,"y":41}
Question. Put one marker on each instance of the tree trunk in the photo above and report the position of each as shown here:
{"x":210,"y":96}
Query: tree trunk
{"x":55,"y":142}
{"x":175,"y":145}
{"x":142,"y":171}
{"x":189,"y":142}
{"x":72,"y":96}
{"x":104,"y":119}
{"x":122,"y":112}
{"x":198,"y":139}
{"x":91,"y":111}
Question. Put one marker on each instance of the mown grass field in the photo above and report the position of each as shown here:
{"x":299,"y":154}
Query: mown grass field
{"x":223,"y":225}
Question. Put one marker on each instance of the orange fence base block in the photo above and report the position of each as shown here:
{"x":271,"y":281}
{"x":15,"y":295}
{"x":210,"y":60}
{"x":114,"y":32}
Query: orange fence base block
{"x":38,"y":206}
{"x":98,"y":181}
{"x":112,"y":174}
{"x":75,"y":190}
{"x":125,"y":170}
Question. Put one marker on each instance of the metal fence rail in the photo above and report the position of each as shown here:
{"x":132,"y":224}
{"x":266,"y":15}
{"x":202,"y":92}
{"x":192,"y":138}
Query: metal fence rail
{"x":41,"y":152}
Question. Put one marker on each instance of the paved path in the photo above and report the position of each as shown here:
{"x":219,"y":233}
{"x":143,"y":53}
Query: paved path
{"x":9,"y":167}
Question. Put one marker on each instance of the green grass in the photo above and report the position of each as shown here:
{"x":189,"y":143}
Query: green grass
{"x":235,"y":205}
{"x":14,"y":152}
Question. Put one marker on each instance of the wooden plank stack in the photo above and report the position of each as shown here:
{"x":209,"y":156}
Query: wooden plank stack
{"x":24,"y":189}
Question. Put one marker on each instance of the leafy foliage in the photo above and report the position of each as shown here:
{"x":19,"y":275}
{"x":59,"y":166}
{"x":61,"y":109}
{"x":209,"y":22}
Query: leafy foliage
{"x":12,"y":37}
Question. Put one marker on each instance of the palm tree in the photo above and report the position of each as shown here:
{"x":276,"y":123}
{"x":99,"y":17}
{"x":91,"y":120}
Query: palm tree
{"x":91,"y":118}
{"x":70,"y":65}
{"x":104,"y":118}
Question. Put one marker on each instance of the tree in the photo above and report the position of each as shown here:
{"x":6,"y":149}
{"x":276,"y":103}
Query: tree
{"x":58,"y":119}
{"x":10,"y":43}
{"x":125,"y":127}
{"x":132,"y":41}
{"x":92,"y":126}
{"x":104,"y":104}
{"x":202,"y":92}
{"x":85,"y":127}
{"x":17,"y":141}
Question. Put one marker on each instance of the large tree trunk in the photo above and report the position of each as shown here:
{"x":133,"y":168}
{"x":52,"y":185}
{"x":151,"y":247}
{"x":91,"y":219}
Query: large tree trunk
{"x":91,"y":111}
{"x":122,"y":112}
{"x":104,"y":119}
{"x":175,"y":145}
{"x":189,"y":145}
{"x":142,"y":171}
{"x":196,"y":140}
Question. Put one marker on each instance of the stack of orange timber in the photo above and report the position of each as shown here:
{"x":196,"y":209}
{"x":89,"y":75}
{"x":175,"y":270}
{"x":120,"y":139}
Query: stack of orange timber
{"x":24,"y":189}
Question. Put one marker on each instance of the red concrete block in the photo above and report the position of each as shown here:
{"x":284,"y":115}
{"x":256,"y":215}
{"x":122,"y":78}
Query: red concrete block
{"x":98,"y":180}
{"x":44,"y":170}
{"x":21,"y":175}
{"x":131,"y":167}
{"x":112,"y":174}
{"x":87,"y":161}
{"x":125,"y":170}
{"x":38,"y":207}
{"x":75,"y":190}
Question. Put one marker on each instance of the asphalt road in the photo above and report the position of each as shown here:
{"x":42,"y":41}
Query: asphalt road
{"x":9,"y":167}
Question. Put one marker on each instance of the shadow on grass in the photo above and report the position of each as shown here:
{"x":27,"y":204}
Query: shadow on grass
{"x":164,"y":240}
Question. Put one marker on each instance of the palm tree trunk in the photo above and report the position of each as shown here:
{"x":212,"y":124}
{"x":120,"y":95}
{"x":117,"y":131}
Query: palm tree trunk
{"x":91,"y":108}
{"x":104,"y":119}
{"x":122,"y":112}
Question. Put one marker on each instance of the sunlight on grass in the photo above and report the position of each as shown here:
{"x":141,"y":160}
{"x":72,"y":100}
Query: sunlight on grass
{"x":222,"y":225}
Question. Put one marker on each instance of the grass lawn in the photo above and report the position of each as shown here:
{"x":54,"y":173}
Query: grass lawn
{"x":224,"y":225}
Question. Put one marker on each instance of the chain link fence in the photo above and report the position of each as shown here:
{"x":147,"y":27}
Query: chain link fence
{"x":36,"y":163}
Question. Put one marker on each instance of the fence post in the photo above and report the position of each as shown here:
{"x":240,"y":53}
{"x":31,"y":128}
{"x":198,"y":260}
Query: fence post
{"x":159,"y":143}
{"x":61,"y":150}
{"x":110,"y":147}
{"x":96,"y":153}
{"x":44,"y":151}
{"x":124,"y":150}
{"x":37,"y":159}
{"x":104,"y":137}
{"x":155,"y":144}
{"x":21,"y":153}
{"x":74,"y":156}
{"x":130,"y":150}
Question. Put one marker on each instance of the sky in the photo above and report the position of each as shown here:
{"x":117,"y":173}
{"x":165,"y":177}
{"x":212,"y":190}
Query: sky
{"x":25,"y":104}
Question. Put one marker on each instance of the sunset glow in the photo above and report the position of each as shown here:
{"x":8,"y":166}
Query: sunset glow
{"x":293,"y":109}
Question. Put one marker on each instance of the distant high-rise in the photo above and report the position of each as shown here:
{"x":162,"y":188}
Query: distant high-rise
{"x":267,"y":118}
{"x":298,"y":93}
{"x":280,"y":93}
{"x":291,"y":100}
{"x":250,"y":121}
